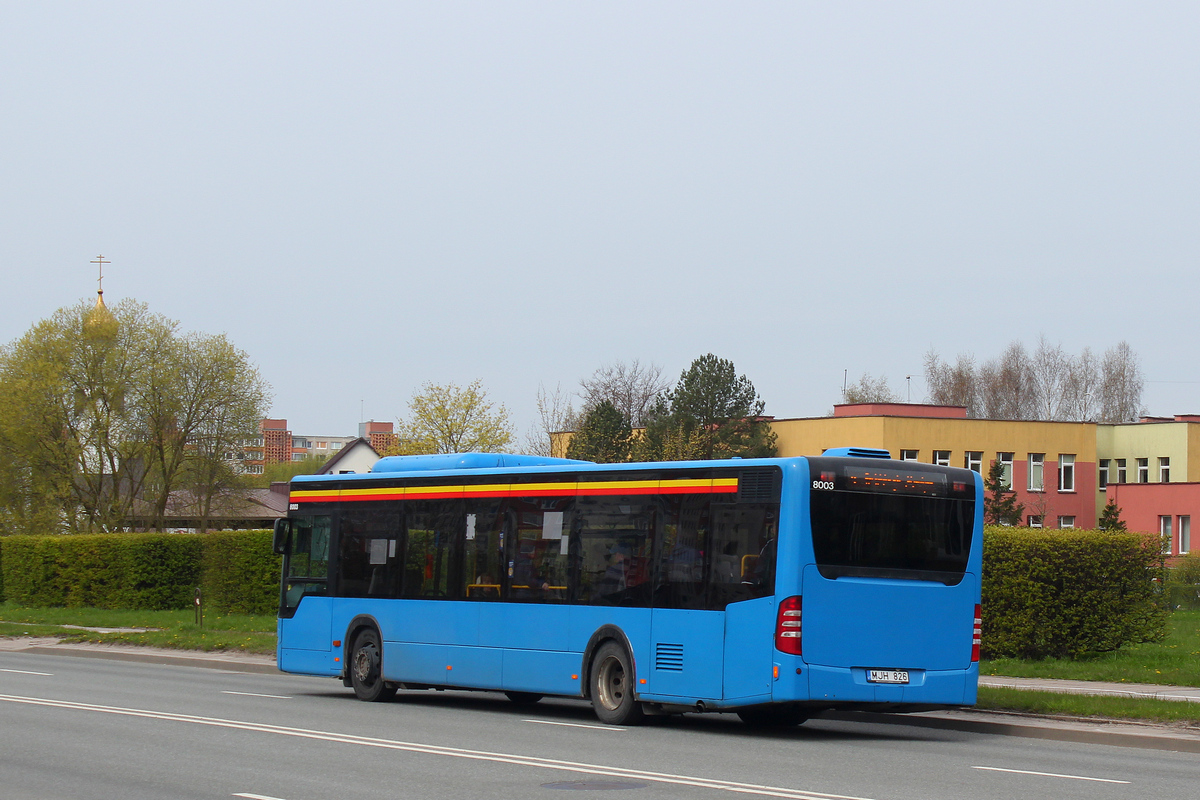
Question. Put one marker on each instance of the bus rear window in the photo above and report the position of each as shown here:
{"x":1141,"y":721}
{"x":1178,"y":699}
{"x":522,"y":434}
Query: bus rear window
{"x":900,"y":525}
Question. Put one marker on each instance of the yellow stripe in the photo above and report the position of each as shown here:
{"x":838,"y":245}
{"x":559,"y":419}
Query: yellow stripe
{"x":517,"y":488}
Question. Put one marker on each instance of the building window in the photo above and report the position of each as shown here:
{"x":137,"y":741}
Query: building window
{"x":1143,"y":470}
{"x":1164,"y":469}
{"x":1102,"y":472}
{"x":299,"y":456}
{"x":1066,"y":522}
{"x":974,"y":460}
{"x":1164,"y":527}
{"x":1185,"y":535}
{"x":1034,"y":521}
{"x":910,"y":455}
{"x":336,"y":445}
{"x":1066,"y":472}
{"x":254,"y":469}
{"x":1036,"y":462}
{"x":941,"y":458}
{"x":1006,"y":462}
{"x":1121,"y":471}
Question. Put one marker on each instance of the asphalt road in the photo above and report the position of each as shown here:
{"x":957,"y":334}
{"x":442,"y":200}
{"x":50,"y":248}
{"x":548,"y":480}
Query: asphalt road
{"x":87,"y":728}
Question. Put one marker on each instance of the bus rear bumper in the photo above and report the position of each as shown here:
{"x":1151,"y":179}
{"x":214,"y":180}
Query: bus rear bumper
{"x":841,"y":685}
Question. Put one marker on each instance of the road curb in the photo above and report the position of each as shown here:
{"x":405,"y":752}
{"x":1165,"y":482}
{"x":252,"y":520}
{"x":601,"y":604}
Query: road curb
{"x":1119,"y":734}
{"x":157,"y":657}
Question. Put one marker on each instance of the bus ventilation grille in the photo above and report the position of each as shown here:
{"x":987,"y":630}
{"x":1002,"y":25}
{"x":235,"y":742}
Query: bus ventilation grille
{"x":758,"y":486}
{"x":669,"y":657}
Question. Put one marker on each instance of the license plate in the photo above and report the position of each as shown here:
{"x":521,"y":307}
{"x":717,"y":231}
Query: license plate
{"x":887,"y":676}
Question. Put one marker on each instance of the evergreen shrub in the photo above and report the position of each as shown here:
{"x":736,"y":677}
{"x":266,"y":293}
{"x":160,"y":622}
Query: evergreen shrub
{"x":1063,"y":593}
{"x":241,"y":573}
{"x":122,"y":570}
{"x":236,"y":570}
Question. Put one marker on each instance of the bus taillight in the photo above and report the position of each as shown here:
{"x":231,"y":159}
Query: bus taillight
{"x":788,"y":627}
{"x":977,"y":633}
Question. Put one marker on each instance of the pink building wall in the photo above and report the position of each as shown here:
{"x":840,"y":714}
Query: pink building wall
{"x":1143,"y":505}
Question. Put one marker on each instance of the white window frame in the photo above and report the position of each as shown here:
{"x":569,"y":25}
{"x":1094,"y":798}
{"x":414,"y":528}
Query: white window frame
{"x":1164,"y":469}
{"x":973,"y":459}
{"x":1102,"y":473}
{"x":910,"y":455}
{"x":1038,"y":460}
{"x":1033,"y":521}
{"x":1143,"y":470}
{"x":1066,"y":472}
{"x":1121,"y":471}
{"x":1066,"y":521}
{"x":1185,"y":534}
{"x":941,"y":458}
{"x":1164,"y":529}
{"x":1006,"y":467}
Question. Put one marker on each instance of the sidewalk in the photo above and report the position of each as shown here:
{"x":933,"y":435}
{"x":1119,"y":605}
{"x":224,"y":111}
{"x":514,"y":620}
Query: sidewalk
{"x":1182,"y":738}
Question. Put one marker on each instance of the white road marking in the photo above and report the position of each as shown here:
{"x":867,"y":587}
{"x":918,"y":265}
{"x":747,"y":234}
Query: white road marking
{"x":255,"y":796}
{"x":437,"y":750}
{"x":256,"y":694}
{"x":577,"y":725}
{"x":1051,"y":775}
{"x":27,"y":672}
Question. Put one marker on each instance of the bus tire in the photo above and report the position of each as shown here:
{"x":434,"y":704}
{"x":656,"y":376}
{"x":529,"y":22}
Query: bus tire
{"x":524,"y":698}
{"x":774,"y":716}
{"x":612,"y":684}
{"x":366,"y":668}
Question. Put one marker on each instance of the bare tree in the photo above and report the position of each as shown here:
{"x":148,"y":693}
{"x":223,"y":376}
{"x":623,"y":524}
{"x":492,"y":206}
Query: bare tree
{"x":1121,"y":385}
{"x":556,"y":414}
{"x":631,"y":388}
{"x":870,"y":390}
{"x":1006,"y":385}
{"x":1081,"y":391}
{"x":1050,"y":365}
{"x":955,"y":385}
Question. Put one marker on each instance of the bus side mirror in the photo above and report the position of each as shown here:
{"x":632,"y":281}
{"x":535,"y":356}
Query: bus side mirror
{"x":283,"y":530}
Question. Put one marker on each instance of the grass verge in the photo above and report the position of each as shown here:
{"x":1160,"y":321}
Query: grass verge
{"x":1080,"y":705}
{"x":1175,"y":661}
{"x":174,"y":629}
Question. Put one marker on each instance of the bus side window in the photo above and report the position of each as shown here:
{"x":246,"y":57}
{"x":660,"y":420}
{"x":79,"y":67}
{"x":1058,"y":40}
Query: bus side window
{"x":743,"y":544}
{"x":616,"y":538}
{"x":538,"y":549}
{"x":434,"y":534}
{"x":483,"y":529}
{"x":683,"y":541}
{"x":369,"y":557}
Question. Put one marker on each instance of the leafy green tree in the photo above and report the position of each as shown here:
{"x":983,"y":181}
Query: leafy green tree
{"x":453,"y":419}
{"x":1000,"y":506}
{"x":712,"y":412}
{"x":93,"y":428}
{"x":1110,"y":518}
{"x":605,"y":436}
{"x":283,"y":471}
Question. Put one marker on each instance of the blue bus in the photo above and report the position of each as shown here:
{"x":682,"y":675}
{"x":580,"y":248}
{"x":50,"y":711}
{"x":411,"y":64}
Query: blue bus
{"x":773,"y":588}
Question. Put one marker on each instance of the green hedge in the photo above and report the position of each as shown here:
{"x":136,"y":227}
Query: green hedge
{"x":237,"y":571}
{"x":1063,"y":593}
{"x":241,"y":573}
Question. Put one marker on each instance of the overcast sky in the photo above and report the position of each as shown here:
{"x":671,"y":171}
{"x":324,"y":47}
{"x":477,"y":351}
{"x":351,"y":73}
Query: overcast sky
{"x":369,"y":196}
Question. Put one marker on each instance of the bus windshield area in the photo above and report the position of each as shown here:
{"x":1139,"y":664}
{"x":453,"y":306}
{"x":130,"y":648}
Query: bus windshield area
{"x":307,"y":560}
{"x":912,"y":525}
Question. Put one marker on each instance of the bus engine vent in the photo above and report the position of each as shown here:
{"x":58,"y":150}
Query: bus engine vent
{"x":668,"y":657}
{"x":758,"y":486}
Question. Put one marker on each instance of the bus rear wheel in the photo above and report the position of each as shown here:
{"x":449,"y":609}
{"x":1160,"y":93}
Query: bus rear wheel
{"x":366,"y":668}
{"x":612,"y":686}
{"x":774,"y":716}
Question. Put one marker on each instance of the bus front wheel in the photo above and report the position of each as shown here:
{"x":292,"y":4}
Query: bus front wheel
{"x":366,"y":668}
{"x":612,"y":686}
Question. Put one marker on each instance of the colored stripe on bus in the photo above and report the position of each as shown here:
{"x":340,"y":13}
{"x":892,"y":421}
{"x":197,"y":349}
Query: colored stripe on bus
{"x":566,"y":489}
